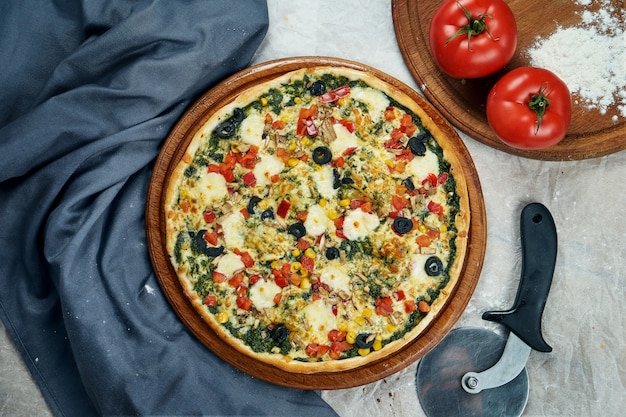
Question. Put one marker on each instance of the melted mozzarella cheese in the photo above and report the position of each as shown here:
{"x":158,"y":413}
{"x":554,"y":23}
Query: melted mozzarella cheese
{"x":336,"y":276}
{"x":375,"y":100}
{"x":320,"y":318}
{"x":262,"y":294}
{"x":210,"y":188}
{"x":323,"y":178}
{"x":251,"y":129}
{"x":345,"y":140}
{"x":421,"y":166}
{"x":317,"y":222}
{"x":267,"y":166}
{"x":233,"y":227}
{"x":229,"y":264}
{"x":359,"y":224}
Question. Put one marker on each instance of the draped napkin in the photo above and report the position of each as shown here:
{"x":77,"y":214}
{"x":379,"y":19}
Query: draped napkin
{"x":88,"y":92}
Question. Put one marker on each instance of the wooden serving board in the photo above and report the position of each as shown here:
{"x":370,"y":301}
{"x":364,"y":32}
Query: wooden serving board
{"x":172,"y":152}
{"x":590,"y":135}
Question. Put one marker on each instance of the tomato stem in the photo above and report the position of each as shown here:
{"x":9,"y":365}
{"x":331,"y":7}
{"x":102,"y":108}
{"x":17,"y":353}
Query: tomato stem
{"x":539,"y":103}
{"x":473,"y":28}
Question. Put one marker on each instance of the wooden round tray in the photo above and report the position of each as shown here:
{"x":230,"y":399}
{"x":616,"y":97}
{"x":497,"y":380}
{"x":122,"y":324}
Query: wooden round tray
{"x":170,"y":155}
{"x":590,"y":135}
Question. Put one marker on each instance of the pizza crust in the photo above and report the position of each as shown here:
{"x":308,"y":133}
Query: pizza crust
{"x":462,"y":222}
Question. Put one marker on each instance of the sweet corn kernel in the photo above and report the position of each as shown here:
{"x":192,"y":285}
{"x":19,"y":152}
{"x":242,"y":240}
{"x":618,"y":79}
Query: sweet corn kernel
{"x":263,"y":204}
{"x":332,"y":214}
{"x":295,"y":253}
{"x":390,"y":328}
{"x":305,"y":284}
{"x":443,"y":228}
{"x":292,"y":145}
{"x":305,"y":141}
{"x":351,"y":337}
{"x":389,"y":163}
{"x":263,"y":101}
{"x":323,"y":202}
{"x":310,"y":253}
{"x":296,"y":266}
{"x":345,"y":202}
{"x":304,"y":272}
{"x":222,"y":317}
{"x":422,"y":228}
{"x":293,"y":162}
{"x":367,"y":312}
{"x":341,"y":101}
{"x":343,"y":327}
{"x":378,"y":345}
{"x":360,"y":320}
{"x":297,"y":100}
{"x":364,"y":351}
{"x":184,"y":194}
{"x":275,"y":264}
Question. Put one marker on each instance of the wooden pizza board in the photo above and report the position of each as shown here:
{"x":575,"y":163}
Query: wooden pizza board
{"x":171,"y":153}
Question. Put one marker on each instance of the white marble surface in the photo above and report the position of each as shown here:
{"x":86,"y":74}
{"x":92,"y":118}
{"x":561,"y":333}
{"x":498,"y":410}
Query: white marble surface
{"x":585,"y":317}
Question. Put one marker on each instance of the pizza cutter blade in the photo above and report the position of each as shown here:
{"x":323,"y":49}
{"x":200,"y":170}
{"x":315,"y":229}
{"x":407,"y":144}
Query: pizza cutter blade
{"x":476,"y":372}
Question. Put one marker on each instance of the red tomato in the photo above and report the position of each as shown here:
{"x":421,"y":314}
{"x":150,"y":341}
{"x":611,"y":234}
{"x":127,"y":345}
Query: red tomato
{"x":529,"y":108}
{"x":472,"y":38}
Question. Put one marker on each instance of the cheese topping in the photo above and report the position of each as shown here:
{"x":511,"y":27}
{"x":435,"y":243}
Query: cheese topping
{"x":317,"y":221}
{"x":252,"y":129}
{"x":268,"y":166}
{"x":262,"y":294}
{"x":359,"y":224}
{"x":375,"y":100}
{"x":229,"y":264}
{"x":233,"y":228}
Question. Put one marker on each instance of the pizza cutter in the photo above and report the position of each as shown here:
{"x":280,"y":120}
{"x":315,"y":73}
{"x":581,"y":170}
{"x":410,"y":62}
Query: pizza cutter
{"x":476,"y":372}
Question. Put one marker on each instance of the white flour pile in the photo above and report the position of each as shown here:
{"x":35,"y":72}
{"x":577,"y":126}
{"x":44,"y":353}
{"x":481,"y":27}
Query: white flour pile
{"x":589,"y":57}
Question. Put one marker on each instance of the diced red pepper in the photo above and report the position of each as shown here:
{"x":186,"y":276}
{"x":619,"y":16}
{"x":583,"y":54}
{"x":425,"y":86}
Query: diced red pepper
{"x":334,"y":309}
{"x":279,"y":278}
{"x":430,"y":179}
{"x":249,"y":179}
{"x":277,"y":298}
{"x":241,"y":290}
{"x":278,"y":125}
{"x":244,"y":303}
{"x":435,"y":208}
{"x":245,"y":213}
{"x":211,"y":237}
{"x":422,"y":241}
{"x":409,"y":306}
{"x":398,"y":202}
{"x":247,"y":260}
{"x":218,"y":277}
{"x":236,"y":280}
{"x":308,"y":263}
{"x":390,"y":113}
{"x":384,"y":306}
{"x":185,"y":206}
{"x":399,"y":295}
{"x":249,"y":159}
{"x":350,"y":126}
{"x":336,"y":94}
{"x":283,"y":208}
{"x":336,"y":335}
{"x":210,"y":300}
{"x":209,"y":216}
{"x":254,"y":279}
{"x":442,"y":178}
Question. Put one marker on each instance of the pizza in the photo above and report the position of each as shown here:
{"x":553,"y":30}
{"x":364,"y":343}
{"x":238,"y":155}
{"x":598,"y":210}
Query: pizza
{"x":319,"y":221}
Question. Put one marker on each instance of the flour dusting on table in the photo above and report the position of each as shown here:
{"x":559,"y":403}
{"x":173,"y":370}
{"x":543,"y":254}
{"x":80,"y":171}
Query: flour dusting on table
{"x":589,"y":57}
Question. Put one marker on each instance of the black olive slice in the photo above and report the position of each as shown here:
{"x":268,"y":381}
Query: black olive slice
{"x":226,"y":129}
{"x":408,"y":183}
{"x":362,"y":341}
{"x":238,"y":115}
{"x":336,"y":179}
{"x":433,"y":266}
{"x":200,"y":245}
{"x":267,"y":214}
{"x":297,"y":230}
{"x":417,"y":146}
{"x":279,"y":334}
{"x":254,"y":200}
{"x":322,"y":155}
{"x":402,"y":225}
{"x":332,"y":253}
{"x":317,"y":88}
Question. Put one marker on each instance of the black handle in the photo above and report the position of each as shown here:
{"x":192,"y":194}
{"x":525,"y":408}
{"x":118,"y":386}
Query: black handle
{"x":539,"y":247}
